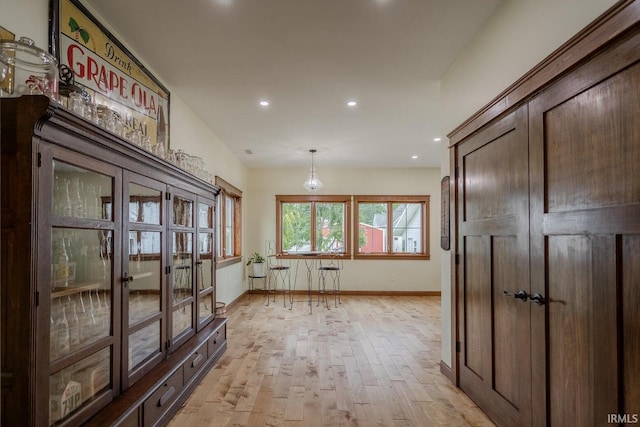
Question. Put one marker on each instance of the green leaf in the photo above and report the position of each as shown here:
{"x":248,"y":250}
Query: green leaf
{"x":73,"y":25}
{"x":85,"y":35}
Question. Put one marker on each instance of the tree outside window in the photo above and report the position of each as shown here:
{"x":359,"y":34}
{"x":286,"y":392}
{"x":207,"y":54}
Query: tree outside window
{"x":313,"y":223}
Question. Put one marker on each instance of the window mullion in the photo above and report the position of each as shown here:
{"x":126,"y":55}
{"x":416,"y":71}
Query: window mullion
{"x":223,"y":226}
{"x":237,"y":221}
{"x":313,"y":226}
{"x":389,"y":228}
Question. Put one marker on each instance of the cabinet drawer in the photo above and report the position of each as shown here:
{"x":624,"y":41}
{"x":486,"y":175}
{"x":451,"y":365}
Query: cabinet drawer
{"x":217,"y":340}
{"x":195,"y":362}
{"x":162,"y":398}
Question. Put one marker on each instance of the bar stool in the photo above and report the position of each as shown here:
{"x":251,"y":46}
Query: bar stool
{"x":279,"y":271}
{"x":332,"y":269}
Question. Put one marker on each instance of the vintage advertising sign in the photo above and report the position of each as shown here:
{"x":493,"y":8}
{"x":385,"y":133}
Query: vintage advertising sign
{"x":108,"y":71}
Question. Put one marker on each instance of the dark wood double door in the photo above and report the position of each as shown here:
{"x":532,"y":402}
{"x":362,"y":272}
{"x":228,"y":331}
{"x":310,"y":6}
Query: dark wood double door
{"x":548,"y":272}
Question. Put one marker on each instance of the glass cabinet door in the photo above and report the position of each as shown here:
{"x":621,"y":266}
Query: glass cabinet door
{"x":182,"y":290}
{"x":182,"y":268}
{"x":143,"y":275}
{"x":82,"y":337}
{"x":205,"y":265}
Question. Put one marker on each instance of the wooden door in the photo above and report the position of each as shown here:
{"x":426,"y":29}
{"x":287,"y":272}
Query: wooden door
{"x":493,"y":243}
{"x":585,"y":243}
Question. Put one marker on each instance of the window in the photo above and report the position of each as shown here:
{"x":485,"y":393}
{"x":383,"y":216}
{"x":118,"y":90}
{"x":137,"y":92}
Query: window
{"x":392,"y":227}
{"x":229,"y":223}
{"x":313,"y":223}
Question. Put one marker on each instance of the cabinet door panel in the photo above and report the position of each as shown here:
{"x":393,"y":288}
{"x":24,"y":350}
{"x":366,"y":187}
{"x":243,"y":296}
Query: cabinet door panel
{"x":630,"y":248}
{"x":205,"y":264}
{"x":493,"y":240}
{"x":183,"y":253}
{"x":585,"y":219}
{"x":182,"y":320}
{"x":184,"y":243}
{"x":204,"y":277}
{"x":78,"y":384}
{"x":78,"y":242}
{"x":143,"y":274}
{"x":182,"y":212}
{"x":80,"y":193}
{"x":143,"y":344}
{"x":206,"y":307}
{"x":569,"y":303}
{"x":81,"y":294}
{"x":205,"y":261}
{"x":145,"y":270}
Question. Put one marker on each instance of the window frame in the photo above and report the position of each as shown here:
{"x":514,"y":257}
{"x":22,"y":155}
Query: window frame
{"x":390,"y":201}
{"x":228,"y":190}
{"x":313,"y":199}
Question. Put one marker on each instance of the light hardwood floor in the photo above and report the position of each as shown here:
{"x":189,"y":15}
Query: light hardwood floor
{"x":373,"y":361}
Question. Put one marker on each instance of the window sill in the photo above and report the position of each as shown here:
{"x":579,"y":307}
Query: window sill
{"x":225,"y":262}
{"x":416,"y":257}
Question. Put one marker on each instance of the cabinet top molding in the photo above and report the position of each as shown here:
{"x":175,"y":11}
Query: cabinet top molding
{"x":109,"y":147}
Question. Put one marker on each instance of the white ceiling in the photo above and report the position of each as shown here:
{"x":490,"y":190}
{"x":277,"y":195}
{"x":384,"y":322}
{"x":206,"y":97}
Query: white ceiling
{"x":307,"y":57}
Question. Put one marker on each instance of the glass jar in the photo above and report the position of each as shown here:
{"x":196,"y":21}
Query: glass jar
{"x":182,"y":159}
{"x":102,"y":115}
{"x":91,"y":111}
{"x":158,"y":150}
{"x":145,"y":142}
{"x":27,"y":70}
{"x":77,"y":103}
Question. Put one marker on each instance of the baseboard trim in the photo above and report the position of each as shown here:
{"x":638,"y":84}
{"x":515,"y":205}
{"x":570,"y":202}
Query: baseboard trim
{"x":446,"y":370}
{"x":229,"y":305}
{"x":394,"y":293}
{"x":362,"y":293}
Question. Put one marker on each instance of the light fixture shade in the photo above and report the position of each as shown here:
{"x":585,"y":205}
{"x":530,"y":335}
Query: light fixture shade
{"x":313,"y":183}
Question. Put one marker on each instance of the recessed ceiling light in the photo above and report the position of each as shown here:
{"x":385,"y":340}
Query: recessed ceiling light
{"x":352,"y":103}
{"x":264,"y":103}
{"x":414,"y":157}
{"x":436,"y":139}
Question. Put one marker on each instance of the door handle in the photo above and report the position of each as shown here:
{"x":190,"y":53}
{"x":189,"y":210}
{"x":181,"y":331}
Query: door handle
{"x":521,"y":295}
{"x":126,"y":279}
{"x":538,"y":299}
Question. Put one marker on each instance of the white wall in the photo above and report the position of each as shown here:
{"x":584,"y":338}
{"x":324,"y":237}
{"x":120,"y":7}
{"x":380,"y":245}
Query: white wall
{"x":30,"y":18}
{"x":360,"y":275}
{"x":519,"y":35}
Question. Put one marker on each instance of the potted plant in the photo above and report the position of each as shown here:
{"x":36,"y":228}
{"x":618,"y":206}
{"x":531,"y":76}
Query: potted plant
{"x":257,"y":261}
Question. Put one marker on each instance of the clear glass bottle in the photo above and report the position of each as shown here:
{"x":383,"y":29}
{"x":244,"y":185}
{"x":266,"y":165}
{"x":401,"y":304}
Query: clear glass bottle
{"x":57,"y":196}
{"x":67,"y":209}
{"x":158,"y":150}
{"x":81,"y":262}
{"x":74,"y":328}
{"x":62,"y":333}
{"x":78,"y":201}
{"x":61,"y":266}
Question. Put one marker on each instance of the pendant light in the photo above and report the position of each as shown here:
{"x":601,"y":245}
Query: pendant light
{"x":313,"y":183}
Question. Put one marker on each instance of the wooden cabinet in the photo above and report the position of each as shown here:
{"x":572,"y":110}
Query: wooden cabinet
{"x":547,"y":215}
{"x":108,"y":274}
